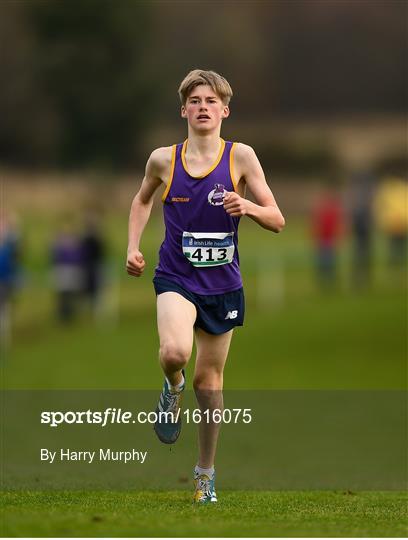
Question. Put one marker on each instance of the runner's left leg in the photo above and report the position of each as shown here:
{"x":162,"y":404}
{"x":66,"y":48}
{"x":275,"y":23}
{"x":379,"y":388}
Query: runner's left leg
{"x":212,"y":352}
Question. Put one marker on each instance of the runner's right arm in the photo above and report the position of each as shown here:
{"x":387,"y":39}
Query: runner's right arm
{"x":142,"y":206}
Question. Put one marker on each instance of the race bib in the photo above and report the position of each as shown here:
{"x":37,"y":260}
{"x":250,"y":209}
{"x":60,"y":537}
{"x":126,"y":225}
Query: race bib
{"x":208,"y":249}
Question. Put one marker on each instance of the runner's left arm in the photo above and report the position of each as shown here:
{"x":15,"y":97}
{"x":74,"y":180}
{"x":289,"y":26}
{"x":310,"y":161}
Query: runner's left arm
{"x":265,"y":210}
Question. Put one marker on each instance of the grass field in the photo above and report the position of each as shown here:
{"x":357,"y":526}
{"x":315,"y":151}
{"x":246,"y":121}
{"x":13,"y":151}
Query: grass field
{"x":340,"y":342}
{"x":245,"y":514}
{"x":296,"y":336}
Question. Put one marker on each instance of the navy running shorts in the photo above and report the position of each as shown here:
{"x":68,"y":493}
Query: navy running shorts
{"x":216,"y":313}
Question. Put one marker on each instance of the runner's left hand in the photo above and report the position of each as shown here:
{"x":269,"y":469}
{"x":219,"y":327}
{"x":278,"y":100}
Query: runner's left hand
{"x":235,"y":205}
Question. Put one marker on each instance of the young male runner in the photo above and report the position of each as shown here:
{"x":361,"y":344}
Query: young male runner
{"x":197,"y":280}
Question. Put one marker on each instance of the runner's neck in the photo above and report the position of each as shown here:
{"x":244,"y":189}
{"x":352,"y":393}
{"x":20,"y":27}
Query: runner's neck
{"x":203,"y":147}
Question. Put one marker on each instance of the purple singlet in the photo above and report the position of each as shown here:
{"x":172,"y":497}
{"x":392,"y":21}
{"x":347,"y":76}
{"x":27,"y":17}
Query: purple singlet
{"x":200,"y":248}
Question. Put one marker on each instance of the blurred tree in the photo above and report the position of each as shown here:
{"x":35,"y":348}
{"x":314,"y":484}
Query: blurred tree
{"x":29,"y":126}
{"x":86,"y":60}
{"x":91,"y":61}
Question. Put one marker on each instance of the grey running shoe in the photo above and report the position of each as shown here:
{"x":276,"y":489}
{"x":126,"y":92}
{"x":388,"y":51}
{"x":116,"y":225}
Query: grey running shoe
{"x":168,"y":423}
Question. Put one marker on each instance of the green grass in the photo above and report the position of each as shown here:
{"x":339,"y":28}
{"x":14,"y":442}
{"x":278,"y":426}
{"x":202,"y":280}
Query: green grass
{"x":340,"y":341}
{"x":243,"y":514}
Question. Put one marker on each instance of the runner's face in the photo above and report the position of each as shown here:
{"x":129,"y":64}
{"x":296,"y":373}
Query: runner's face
{"x":204,"y":110}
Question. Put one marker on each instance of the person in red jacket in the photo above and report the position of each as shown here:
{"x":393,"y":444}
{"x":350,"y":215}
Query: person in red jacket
{"x":327,"y":230}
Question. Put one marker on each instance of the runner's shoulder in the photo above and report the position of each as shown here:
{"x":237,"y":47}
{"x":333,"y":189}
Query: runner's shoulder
{"x":243,"y":151}
{"x":244,"y":156}
{"x":159,"y":161}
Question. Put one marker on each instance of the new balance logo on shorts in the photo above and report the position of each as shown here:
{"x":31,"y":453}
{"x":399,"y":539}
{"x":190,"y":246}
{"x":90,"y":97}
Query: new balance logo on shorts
{"x":232,"y":314}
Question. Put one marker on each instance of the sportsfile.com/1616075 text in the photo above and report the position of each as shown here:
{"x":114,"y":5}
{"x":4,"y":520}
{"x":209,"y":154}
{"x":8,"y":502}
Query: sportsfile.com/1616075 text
{"x":113,"y":415}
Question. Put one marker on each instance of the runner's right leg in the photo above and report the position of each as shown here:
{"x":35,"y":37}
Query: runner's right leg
{"x":175,"y":322}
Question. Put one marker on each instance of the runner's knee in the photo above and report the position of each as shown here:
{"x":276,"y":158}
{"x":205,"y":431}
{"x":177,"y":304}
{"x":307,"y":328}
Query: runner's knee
{"x":210,"y":380}
{"x":173,"y":356}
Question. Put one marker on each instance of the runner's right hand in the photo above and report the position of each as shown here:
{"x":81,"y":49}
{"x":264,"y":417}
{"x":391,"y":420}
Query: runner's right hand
{"x":135,"y":263}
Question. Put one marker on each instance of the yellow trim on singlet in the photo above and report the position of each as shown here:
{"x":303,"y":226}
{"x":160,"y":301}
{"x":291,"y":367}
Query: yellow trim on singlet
{"x":173,"y":164}
{"x":231,"y":167}
{"x":183,"y":159}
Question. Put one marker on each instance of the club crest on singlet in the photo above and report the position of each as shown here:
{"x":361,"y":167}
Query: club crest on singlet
{"x":216,"y":195}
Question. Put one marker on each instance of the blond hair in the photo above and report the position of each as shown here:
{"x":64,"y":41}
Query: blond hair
{"x":216,"y":82}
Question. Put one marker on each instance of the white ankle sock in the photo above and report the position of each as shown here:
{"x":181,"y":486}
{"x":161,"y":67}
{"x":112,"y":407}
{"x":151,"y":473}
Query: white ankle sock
{"x":198,"y":471}
{"x":178,"y":387}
